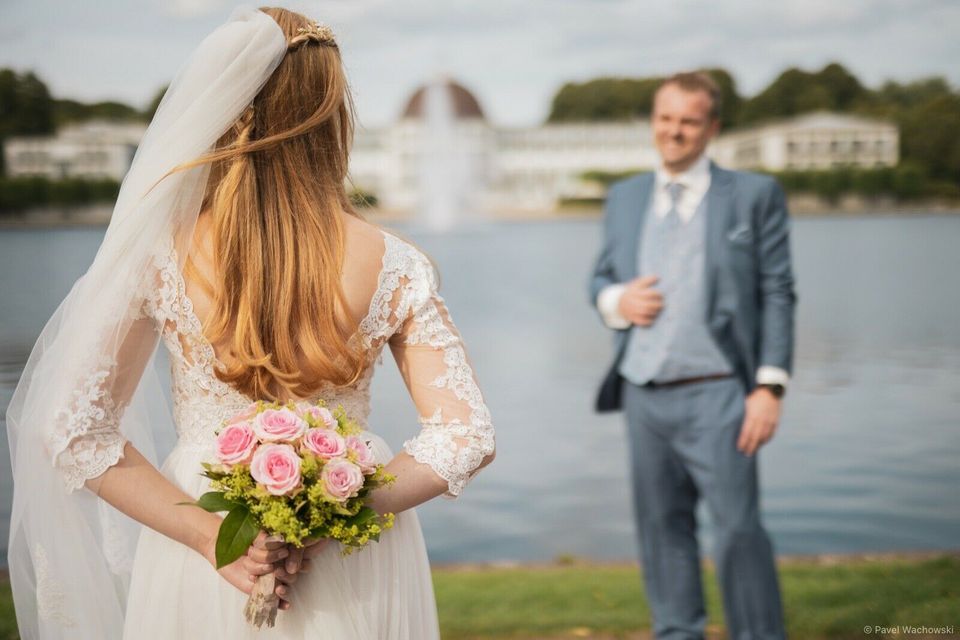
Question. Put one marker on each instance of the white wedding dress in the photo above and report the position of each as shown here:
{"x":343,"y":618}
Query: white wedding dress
{"x":81,"y":569}
{"x":382,"y":592}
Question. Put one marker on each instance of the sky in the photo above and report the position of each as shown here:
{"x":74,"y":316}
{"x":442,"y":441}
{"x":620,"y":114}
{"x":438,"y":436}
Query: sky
{"x":513,"y":54}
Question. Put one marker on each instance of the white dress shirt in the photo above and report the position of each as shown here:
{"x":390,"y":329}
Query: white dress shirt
{"x":696,"y":183}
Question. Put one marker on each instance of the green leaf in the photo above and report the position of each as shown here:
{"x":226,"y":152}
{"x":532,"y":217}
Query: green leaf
{"x":213,"y":501}
{"x":364,"y":516}
{"x":237,"y":532}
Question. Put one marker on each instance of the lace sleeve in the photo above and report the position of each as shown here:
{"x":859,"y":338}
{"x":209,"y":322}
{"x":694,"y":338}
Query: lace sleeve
{"x":86,"y":439}
{"x":456,"y":431}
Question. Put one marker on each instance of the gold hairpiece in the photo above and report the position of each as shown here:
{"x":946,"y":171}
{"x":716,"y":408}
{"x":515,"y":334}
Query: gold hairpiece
{"x":319,"y":32}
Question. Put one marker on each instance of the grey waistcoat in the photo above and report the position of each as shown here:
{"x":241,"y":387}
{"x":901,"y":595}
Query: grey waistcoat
{"x":678,"y":344}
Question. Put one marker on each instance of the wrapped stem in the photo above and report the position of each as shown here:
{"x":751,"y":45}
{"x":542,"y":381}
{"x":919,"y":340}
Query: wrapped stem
{"x":263,"y":603}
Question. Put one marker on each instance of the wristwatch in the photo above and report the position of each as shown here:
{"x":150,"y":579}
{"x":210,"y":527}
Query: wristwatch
{"x":778,"y":390}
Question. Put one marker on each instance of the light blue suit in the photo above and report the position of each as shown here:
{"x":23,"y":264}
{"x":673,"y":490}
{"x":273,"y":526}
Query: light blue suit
{"x":750,"y":296}
{"x":683,"y":438}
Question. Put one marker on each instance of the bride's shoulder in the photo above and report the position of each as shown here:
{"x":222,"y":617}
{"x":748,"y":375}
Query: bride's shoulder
{"x":387,"y":253}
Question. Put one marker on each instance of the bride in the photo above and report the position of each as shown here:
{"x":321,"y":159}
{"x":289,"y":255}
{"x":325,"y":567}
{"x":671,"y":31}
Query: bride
{"x":232,"y":241}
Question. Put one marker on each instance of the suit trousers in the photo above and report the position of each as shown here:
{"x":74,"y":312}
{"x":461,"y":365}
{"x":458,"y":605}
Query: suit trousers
{"x":683,"y":447}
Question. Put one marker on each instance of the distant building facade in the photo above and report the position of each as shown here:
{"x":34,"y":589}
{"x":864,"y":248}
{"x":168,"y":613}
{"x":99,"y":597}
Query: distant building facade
{"x":535,"y":168}
{"x":444,"y":156}
{"x":91,"y":150}
{"x":820,"y":140}
{"x":443,"y":139}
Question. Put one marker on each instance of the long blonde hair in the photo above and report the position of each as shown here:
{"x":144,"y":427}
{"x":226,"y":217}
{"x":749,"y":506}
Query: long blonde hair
{"x":274,"y":196}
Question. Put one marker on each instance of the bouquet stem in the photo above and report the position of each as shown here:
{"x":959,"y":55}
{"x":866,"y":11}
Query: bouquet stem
{"x":263,"y":603}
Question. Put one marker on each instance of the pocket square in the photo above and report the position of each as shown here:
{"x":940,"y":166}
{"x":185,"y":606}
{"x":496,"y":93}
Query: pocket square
{"x":740,"y":234}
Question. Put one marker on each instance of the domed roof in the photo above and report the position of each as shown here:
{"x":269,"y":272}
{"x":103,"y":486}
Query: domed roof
{"x":465,"y":104}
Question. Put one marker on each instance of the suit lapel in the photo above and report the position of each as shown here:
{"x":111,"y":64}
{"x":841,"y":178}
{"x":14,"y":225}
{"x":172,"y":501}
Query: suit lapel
{"x":719,"y":213}
{"x":635,"y":225}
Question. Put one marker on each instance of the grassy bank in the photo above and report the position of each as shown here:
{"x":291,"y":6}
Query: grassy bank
{"x":823,"y":598}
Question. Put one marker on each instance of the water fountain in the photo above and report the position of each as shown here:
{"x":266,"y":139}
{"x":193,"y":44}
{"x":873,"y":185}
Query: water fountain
{"x":451,"y":161}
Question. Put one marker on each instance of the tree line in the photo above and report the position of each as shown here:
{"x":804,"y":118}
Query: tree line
{"x":927,"y":111}
{"x":28,"y":109}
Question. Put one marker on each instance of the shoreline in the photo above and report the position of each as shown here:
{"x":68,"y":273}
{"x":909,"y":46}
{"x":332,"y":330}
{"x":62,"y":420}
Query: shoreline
{"x":814,"y":560}
{"x":60,"y":221}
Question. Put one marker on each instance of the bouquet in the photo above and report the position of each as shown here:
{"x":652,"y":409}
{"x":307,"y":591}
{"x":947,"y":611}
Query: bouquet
{"x":295,"y":470}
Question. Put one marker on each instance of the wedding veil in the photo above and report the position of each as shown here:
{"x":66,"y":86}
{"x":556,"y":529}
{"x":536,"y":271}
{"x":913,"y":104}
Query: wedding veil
{"x":89,"y":384}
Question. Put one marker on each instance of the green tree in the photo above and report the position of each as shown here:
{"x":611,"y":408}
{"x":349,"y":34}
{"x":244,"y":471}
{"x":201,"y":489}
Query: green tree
{"x":797,"y":91}
{"x":927,"y":112}
{"x":730,"y":100}
{"x":67,"y":111}
{"x":930,"y":136}
{"x":611,"y":99}
{"x":34,"y":106}
{"x":26,"y":107}
{"x":603,"y":99}
{"x":843,"y":87}
{"x":894,"y":94}
{"x":151,"y":109}
{"x":8,"y":102}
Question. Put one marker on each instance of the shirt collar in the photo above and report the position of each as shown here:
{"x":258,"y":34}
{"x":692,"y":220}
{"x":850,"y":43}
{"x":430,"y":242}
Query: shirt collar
{"x":696,"y":174}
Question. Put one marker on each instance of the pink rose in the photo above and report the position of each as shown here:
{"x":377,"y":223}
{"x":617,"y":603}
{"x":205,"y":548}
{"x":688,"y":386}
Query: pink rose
{"x":246,"y":414}
{"x":325,"y":443}
{"x":364,"y":454}
{"x":275,"y":425}
{"x":277,"y":468}
{"x":321,"y":415}
{"x":342,"y":479}
{"x":235,"y":443}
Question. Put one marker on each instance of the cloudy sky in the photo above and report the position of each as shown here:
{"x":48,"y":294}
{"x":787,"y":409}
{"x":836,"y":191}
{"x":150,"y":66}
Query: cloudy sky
{"x":514,"y":54}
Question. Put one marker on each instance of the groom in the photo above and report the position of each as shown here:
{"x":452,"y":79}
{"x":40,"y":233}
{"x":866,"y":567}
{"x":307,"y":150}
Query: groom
{"x":694,"y":276}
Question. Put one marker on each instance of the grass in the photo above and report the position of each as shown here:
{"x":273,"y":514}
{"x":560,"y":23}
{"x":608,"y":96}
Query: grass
{"x":823,"y":598}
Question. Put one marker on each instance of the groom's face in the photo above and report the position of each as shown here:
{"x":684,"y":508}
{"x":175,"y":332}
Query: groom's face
{"x":682,"y":125}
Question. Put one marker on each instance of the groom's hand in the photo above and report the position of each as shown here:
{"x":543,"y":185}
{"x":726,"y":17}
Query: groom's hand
{"x":640,"y":302}
{"x":761,"y":415}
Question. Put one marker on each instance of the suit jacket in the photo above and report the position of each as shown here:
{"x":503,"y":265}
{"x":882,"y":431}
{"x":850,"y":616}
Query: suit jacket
{"x":749,"y":279}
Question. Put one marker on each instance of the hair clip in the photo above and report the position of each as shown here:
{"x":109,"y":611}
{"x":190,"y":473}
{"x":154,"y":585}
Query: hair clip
{"x":319,"y":32}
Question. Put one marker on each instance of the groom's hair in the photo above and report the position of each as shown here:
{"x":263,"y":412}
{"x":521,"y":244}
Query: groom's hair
{"x":693,"y":81}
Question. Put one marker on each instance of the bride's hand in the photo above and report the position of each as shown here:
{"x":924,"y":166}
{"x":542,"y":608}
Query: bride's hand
{"x":300,"y":558}
{"x":264,"y":556}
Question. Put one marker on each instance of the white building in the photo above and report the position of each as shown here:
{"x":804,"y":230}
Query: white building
{"x":537,"y":167}
{"x":443,"y":152}
{"x":820,"y":140}
{"x":504,"y":169}
{"x":446,"y":161}
{"x":94,"y":149}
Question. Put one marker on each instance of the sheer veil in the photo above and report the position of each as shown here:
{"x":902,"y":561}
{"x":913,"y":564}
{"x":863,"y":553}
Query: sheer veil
{"x":89,"y":384}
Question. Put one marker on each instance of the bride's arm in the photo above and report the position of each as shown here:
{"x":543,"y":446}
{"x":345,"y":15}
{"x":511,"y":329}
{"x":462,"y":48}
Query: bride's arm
{"x":456,"y":439}
{"x":89,"y":450}
{"x":135,"y":487}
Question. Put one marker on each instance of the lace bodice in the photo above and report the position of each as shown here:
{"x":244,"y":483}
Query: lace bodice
{"x":406,"y":312}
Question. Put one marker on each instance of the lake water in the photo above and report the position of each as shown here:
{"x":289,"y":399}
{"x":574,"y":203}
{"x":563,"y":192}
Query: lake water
{"x":867,"y":457}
